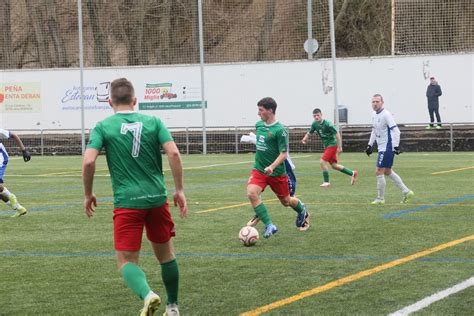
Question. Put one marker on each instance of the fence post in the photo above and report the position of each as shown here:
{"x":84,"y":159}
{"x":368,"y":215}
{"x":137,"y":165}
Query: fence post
{"x":187,"y":141}
{"x":236,"y":140}
{"x":42,"y":142}
{"x":451,"y":140}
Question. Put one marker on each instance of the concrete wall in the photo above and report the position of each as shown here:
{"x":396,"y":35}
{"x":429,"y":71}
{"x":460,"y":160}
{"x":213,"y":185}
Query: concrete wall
{"x":50,"y":98}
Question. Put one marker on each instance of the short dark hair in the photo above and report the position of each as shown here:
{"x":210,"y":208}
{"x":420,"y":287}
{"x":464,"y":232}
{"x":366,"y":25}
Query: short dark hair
{"x":316,"y":111}
{"x":268,"y":103}
{"x":122,"y":91}
{"x":378,"y":95}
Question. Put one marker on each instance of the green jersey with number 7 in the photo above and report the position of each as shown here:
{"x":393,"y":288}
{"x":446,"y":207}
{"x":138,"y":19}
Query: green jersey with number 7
{"x":133,"y":143}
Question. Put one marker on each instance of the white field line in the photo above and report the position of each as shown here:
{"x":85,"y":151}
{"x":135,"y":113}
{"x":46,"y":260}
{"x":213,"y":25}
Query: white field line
{"x":434,"y":298}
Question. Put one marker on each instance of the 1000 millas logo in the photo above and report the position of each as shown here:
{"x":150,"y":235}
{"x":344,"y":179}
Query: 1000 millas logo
{"x":159,"y":91}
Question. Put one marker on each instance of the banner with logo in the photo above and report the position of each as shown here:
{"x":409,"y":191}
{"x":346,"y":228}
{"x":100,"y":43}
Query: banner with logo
{"x":20,"y":97}
{"x":170,"y":96}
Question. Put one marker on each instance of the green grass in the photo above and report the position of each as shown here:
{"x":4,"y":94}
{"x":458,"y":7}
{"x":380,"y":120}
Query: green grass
{"x":57,"y":261}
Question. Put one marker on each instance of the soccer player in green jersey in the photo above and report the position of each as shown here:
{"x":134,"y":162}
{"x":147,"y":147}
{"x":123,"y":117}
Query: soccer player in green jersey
{"x":269,"y":169}
{"x":133,"y":143}
{"x":332,"y":146}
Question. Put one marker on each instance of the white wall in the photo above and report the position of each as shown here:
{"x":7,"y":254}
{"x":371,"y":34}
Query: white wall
{"x":232,"y":91}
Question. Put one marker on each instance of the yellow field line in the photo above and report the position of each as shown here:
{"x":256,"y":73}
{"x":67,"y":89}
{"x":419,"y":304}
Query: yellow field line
{"x":453,"y":170}
{"x":327,"y":203}
{"x":229,"y":206}
{"x":353,"y":277}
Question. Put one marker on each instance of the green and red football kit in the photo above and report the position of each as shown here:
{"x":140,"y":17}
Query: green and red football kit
{"x":132,"y":143}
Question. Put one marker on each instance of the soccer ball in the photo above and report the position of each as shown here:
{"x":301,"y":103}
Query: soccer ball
{"x":248,"y":236}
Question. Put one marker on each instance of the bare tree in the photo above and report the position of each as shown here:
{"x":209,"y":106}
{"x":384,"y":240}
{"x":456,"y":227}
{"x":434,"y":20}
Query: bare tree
{"x":55,"y":32}
{"x":101,"y":52}
{"x":165,"y":33}
{"x":6,"y":53}
{"x":134,"y":27}
{"x":266,"y":32}
{"x":35,"y":11}
{"x":327,"y":41}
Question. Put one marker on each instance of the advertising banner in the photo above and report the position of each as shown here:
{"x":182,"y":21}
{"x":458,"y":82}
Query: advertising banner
{"x":170,"y":96}
{"x":20,"y":97}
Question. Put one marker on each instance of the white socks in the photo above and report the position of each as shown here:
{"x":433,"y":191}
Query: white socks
{"x":5,"y":192}
{"x":380,"y":187}
{"x":398,"y":182}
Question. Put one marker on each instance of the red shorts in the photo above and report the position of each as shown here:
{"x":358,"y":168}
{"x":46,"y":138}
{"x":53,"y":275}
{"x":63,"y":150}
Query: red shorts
{"x":279,"y":185}
{"x":330,"y":154}
{"x":129,"y":223}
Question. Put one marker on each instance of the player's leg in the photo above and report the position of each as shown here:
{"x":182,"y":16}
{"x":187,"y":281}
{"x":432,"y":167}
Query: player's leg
{"x":279,"y":187}
{"x":255,"y":186}
{"x":253,"y":193}
{"x":10,"y":198}
{"x":407,"y":194}
{"x":384,"y":160}
{"x":352,"y":173}
{"x":128,"y":230}
{"x":325,"y":169}
{"x":160,"y":229}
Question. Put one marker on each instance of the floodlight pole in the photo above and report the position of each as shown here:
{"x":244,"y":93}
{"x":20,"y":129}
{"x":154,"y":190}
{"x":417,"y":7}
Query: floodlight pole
{"x":201,"y":63}
{"x":333,"y":58}
{"x":81,"y":72}
{"x":392,"y":42}
{"x":310,"y":28}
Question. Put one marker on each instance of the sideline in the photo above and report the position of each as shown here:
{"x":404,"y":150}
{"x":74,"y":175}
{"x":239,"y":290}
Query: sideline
{"x":353,"y":277}
{"x":427,"y":301}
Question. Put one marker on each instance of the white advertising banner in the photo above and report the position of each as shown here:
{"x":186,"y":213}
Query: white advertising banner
{"x":51,"y":98}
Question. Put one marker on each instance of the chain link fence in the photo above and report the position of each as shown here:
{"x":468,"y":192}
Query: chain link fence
{"x":44,"y":33}
{"x":452,"y":137}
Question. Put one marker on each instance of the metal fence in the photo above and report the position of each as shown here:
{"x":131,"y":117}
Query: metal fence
{"x":45,"y":33}
{"x":451,"y":137}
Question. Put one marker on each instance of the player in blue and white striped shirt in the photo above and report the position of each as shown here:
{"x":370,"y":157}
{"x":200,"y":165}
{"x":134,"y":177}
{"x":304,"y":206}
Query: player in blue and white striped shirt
{"x":387,"y":135}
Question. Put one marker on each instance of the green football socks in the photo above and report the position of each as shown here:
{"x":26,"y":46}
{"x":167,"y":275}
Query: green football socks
{"x":326,"y":176}
{"x":347,"y":171}
{"x":170,"y":276}
{"x":135,"y":279}
{"x":262,"y":213}
{"x":299,"y":208}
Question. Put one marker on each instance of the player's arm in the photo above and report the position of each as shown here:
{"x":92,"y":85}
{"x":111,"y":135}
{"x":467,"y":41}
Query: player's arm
{"x":176,"y":165}
{"x":338,"y":142}
{"x":26,"y":154}
{"x":369,"y":150}
{"x":88,"y":171}
{"x":278,"y":161}
{"x":395,"y":132}
{"x":306,"y":137}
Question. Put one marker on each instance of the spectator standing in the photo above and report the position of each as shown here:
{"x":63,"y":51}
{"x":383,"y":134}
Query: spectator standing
{"x":433,"y":92}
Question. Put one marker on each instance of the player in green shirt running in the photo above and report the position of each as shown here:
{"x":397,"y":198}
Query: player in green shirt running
{"x":332,"y":146}
{"x":269,"y":169}
{"x":133,"y":143}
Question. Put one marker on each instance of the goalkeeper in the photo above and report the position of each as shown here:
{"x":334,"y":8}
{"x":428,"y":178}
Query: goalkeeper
{"x":387,"y":134}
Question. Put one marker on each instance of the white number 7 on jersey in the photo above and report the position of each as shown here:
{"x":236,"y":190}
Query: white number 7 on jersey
{"x":136,"y":129}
